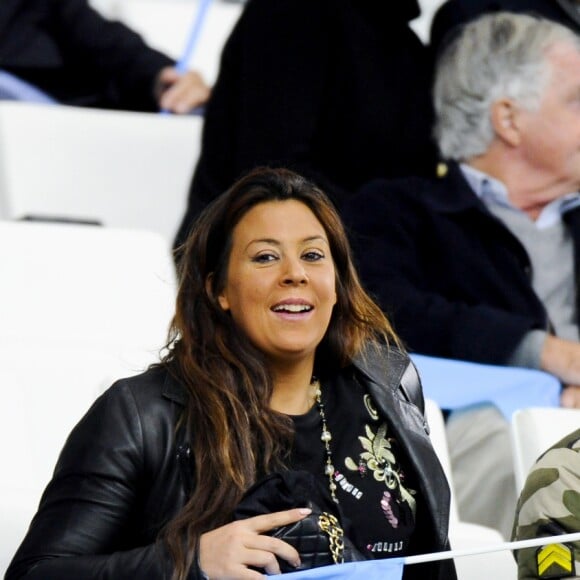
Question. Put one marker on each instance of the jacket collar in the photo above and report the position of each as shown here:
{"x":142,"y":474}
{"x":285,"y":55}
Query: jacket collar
{"x":452,"y":193}
{"x":382,"y":367}
{"x":173,"y":391}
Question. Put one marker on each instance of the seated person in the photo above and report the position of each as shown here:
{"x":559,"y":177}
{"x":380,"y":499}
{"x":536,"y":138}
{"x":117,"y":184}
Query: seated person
{"x":481,"y":263}
{"x":453,"y":13}
{"x":336,"y":89}
{"x":549,"y":505}
{"x":277,"y":361}
{"x":72,"y":53}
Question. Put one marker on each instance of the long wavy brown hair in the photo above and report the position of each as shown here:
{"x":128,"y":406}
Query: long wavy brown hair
{"x":235,"y":436}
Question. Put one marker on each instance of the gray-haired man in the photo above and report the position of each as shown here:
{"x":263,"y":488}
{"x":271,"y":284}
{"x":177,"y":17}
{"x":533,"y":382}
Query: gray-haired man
{"x":482,"y":263}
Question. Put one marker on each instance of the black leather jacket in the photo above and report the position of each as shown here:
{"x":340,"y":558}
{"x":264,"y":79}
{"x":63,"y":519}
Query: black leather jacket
{"x":121,"y":477}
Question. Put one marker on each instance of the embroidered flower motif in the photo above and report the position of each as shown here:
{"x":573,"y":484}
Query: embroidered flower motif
{"x":380,"y":460}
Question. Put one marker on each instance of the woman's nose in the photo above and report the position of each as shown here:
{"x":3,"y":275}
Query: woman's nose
{"x":294,"y":273}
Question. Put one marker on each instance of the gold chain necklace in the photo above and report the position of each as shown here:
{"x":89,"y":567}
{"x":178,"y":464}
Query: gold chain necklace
{"x":328,"y":523}
{"x":326,"y":438}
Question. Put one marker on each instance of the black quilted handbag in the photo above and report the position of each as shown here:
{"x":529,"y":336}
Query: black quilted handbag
{"x":319,"y":537}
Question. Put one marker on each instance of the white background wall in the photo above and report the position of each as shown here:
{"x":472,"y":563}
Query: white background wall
{"x":420,"y":25}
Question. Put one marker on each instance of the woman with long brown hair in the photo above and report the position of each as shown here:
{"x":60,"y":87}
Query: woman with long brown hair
{"x":278,"y":361}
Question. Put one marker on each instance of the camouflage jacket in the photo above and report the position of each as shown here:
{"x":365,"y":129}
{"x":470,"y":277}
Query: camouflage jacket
{"x":550,"y":504}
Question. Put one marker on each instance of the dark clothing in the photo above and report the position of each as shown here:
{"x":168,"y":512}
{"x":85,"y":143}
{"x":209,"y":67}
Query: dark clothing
{"x":71,"y":52}
{"x":453,"y":13}
{"x":118,"y":479}
{"x":338,"y":90}
{"x":376,"y":487}
{"x":454,"y":280}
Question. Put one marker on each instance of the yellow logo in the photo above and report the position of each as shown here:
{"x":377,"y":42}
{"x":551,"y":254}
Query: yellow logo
{"x":555,"y":561}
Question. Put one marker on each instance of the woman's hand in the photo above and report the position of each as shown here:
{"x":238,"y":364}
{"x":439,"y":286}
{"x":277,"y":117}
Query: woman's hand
{"x":227,"y":551}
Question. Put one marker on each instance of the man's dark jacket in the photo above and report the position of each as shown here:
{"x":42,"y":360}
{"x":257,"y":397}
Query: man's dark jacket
{"x":123,"y":474}
{"x":338,"y":90}
{"x":455,"y":282}
{"x":71,"y":52}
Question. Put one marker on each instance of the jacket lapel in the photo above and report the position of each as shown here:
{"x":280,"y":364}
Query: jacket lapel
{"x":383,"y":375}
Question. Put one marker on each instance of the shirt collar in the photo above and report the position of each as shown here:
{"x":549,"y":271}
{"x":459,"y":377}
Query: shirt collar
{"x":492,"y":192}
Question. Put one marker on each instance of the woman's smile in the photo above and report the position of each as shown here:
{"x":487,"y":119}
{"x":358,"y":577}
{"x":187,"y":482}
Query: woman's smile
{"x":293,"y":309}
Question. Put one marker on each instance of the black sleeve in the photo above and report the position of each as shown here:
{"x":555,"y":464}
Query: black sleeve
{"x":85,"y":524}
{"x":110,"y":50}
{"x":397,"y":261}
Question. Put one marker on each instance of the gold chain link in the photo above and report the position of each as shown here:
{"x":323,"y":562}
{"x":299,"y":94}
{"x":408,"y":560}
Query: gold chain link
{"x":329,"y":525}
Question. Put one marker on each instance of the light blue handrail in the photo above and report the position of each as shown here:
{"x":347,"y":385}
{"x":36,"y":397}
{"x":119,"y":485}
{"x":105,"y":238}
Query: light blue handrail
{"x":193,"y":37}
{"x":182,"y":64}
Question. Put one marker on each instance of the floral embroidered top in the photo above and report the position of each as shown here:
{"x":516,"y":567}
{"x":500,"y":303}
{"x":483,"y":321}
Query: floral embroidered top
{"x":375,"y":487}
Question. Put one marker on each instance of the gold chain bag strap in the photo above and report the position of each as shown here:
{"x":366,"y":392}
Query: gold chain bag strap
{"x":329,"y":525}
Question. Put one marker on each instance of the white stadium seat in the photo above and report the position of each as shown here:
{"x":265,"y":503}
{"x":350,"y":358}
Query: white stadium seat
{"x":464,"y":535}
{"x":122,"y":169}
{"x":536,"y":429}
{"x":80,"y":306}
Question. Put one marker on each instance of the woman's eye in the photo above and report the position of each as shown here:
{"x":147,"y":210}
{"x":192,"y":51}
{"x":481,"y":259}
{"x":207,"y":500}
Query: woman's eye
{"x":313,"y":256}
{"x":264,"y":258}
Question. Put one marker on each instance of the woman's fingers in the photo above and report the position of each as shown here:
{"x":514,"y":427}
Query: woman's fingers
{"x":267,"y":522}
{"x":263,"y":560}
{"x":265,"y":551}
{"x":227,"y":551}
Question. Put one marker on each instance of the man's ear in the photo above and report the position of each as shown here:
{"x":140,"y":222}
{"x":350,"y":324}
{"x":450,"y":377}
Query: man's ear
{"x":505,"y":119}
